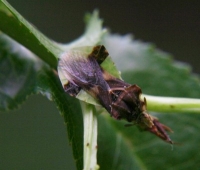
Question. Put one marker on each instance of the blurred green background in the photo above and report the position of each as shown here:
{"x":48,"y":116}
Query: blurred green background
{"x":34,"y":136}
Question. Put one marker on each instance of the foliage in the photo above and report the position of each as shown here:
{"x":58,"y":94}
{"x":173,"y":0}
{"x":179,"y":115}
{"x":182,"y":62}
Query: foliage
{"x":22,"y":73}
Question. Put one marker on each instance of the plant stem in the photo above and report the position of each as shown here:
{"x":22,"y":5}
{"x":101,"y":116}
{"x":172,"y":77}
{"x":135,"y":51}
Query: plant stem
{"x":90,"y":137}
{"x":172,"y":104}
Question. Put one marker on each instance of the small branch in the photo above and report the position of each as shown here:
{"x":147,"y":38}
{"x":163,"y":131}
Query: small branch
{"x":90,"y":137}
{"x":172,"y":104}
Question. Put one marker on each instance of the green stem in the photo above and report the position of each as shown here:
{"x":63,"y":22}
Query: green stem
{"x":172,"y":104}
{"x":90,"y":137}
{"x":15,"y":26}
{"x":158,"y":103}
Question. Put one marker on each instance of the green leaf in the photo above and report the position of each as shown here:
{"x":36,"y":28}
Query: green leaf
{"x":69,"y":107}
{"x":128,"y":148}
{"x":151,"y":69}
{"x":115,"y":149}
{"x":23,"y":72}
{"x":18,"y":69}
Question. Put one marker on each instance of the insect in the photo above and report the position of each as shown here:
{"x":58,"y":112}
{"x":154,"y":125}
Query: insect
{"x":80,"y":70}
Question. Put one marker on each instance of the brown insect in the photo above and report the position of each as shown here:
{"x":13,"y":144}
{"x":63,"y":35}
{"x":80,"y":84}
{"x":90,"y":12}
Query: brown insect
{"x":120,"y":99}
